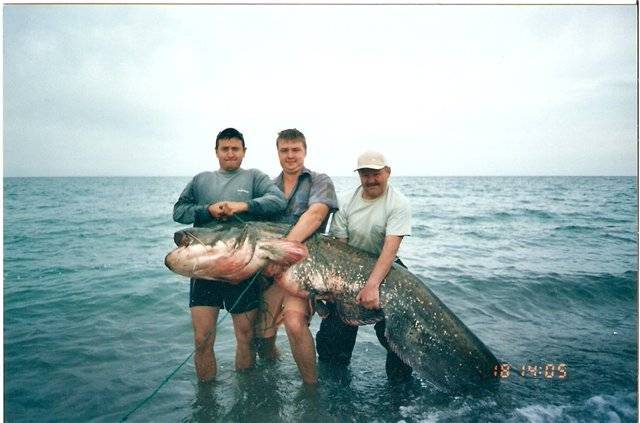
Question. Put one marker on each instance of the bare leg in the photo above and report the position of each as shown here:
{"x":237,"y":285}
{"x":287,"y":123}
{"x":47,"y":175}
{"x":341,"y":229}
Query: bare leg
{"x":204,"y":335}
{"x":243,"y":328}
{"x":268,"y":320}
{"x":266,"y":348}
{"x":296,"y":322}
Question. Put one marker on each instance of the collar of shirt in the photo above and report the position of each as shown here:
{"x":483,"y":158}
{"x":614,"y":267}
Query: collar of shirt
{"x":229,"y":172}
{"x":279,"y":181}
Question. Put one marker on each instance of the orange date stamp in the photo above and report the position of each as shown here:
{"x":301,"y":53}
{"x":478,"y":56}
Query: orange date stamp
{"x":556,"y":371}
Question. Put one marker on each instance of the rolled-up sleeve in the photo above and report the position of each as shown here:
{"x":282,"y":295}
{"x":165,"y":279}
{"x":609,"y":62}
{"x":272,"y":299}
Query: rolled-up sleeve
{"x":322,"y":191}
{"x":399,"y":220}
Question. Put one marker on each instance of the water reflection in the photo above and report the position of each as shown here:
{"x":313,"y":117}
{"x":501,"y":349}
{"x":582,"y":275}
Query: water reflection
{"x":206,"y":407}
{"x":256,"y":397}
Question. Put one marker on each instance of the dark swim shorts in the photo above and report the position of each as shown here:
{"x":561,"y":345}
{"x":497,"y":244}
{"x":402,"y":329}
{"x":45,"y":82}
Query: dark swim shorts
{"x":224,"y":295}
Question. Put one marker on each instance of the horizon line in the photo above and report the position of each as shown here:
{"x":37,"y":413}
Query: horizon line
{"x":340,"y":176}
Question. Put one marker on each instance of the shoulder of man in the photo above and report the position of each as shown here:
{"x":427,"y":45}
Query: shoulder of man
{"x":399,"y":213}
{"x":278,"y":178}
{"x":204,"y":175}
{"x":318,"y":178}
{"x":313,"y":174}
{"x":322,"y":189}
{"x":345,"y":197}
{"x":256,"y":173}
{"x":397,"y":196}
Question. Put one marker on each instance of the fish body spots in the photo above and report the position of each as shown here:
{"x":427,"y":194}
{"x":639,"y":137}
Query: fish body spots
{"x":420,"y":328}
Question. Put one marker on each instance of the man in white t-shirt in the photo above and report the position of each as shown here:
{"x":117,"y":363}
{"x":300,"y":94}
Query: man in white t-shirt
{"x":375,"y":217}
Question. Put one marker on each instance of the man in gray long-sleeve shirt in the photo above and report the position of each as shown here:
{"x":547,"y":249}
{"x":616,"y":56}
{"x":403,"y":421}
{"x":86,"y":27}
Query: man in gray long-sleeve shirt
{"x":209,"y":197}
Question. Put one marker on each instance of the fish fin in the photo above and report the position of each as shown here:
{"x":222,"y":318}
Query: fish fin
{"x":322,"y":309}
{"x":282,"y":251}
{"x":355,"y":315}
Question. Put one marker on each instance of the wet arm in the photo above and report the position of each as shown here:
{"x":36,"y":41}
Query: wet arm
{"x":369,"y":297}
{"x":309,"y":222}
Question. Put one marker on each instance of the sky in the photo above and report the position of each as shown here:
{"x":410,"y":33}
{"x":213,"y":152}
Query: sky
{"x":123,"y":90}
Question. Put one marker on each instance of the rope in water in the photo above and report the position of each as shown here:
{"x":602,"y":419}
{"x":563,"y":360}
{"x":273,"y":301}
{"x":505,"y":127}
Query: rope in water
{"x":168,"y":378}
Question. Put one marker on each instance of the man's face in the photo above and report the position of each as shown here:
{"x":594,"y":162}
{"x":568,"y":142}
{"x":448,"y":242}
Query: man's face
{"x":291,"y":154}
{"x":230,"y":154}
{"x":374,"y":182}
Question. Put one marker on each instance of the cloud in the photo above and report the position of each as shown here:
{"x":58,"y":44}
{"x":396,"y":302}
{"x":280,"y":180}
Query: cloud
{"x":442,"y":90}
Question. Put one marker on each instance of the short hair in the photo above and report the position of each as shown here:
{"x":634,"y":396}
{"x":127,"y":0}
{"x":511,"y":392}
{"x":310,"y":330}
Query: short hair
{"x":227,"y":134}
{"x":290,"y":135}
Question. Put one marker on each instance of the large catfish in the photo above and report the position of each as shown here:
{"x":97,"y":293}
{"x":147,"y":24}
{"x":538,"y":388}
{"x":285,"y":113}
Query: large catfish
{"x":420,"y":328}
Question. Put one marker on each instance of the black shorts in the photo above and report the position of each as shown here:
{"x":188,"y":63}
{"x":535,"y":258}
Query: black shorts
{"x":225,"y":295}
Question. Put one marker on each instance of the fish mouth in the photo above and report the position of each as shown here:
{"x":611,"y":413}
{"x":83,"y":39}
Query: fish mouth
{"x":168,"y":258}
{"x":185,"y":238}
{"x":181,"y":238}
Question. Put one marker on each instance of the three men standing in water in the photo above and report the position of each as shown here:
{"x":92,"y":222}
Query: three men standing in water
{"x":374,"y":217}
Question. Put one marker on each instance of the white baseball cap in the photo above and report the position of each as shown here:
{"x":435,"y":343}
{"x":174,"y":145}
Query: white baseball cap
{"x":371,"y":160}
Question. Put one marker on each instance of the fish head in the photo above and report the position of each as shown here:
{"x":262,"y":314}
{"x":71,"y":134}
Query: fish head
{"x":230,"y":253}
{"x":229,"y":235}
{"x":212,"y":253}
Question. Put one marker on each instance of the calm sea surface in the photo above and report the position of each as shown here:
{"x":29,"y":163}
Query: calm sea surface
{"x":542,"y":269}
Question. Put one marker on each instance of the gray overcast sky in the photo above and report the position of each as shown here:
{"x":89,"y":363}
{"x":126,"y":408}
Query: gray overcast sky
{"x":441,"y":90}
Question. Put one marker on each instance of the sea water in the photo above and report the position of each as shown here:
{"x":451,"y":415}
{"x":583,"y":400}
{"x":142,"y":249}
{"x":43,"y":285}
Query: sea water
{"x":542,"y":269}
